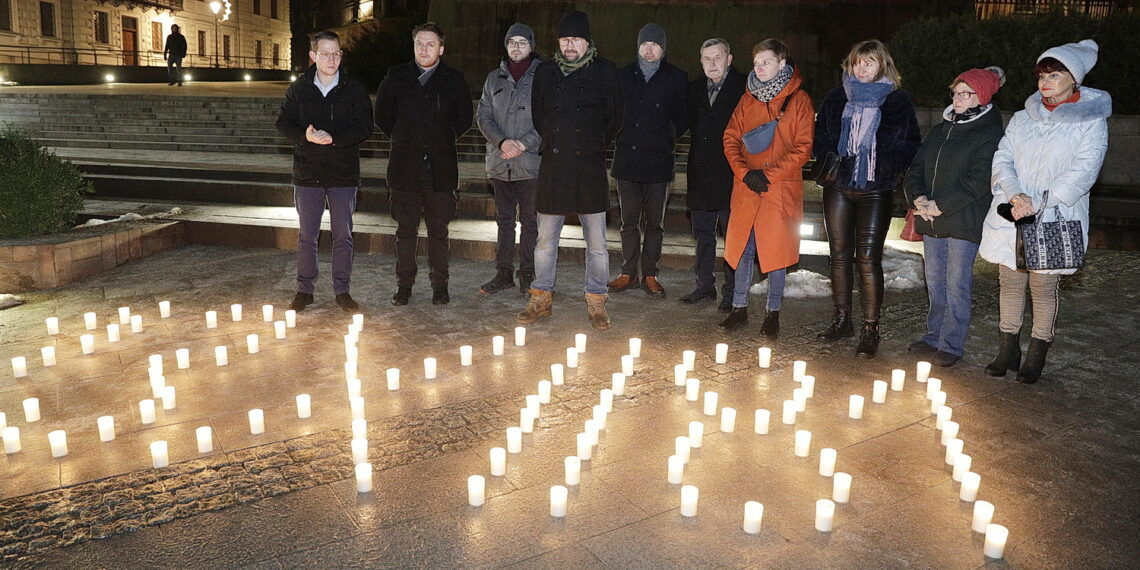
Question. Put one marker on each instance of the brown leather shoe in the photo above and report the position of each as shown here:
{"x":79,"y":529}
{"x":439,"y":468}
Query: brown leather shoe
{"x":653,"y":287}
{"x":624,"y":282}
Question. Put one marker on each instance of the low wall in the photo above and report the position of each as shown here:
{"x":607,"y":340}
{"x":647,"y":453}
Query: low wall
{"x":43,"y":74}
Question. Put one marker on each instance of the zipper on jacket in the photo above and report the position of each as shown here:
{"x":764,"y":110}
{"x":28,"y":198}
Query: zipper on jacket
{"x":937,"y":159}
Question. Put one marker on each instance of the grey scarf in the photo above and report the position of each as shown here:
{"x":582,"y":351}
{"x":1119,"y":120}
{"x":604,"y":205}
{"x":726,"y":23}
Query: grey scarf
{"x":765,"y":91}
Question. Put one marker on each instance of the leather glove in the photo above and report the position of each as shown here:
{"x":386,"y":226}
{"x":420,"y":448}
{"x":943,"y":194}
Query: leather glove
{"x":756,"y":181}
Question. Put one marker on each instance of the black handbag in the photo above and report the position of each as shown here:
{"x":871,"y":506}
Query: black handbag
{"x":1058,"y":244}
{"x":825,"y":170}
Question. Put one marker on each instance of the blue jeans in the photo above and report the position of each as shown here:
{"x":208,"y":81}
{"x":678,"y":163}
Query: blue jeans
{"x":310,"y":204}
{"x":546,"y":252}
{"x":744,"y":271}
{"x":949,"y":284}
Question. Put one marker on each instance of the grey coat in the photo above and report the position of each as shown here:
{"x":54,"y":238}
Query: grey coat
{"x":505,"y":113}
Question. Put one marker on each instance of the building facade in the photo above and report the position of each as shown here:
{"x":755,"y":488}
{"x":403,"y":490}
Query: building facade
{"x":254,"y":35}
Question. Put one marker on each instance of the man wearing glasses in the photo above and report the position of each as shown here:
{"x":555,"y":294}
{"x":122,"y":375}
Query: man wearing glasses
{"x":424,"y":106}
{"x":326,"y":115}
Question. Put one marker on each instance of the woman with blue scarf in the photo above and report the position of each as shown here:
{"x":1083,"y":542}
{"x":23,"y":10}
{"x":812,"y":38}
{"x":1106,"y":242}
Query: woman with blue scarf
{"x":871,"y":125}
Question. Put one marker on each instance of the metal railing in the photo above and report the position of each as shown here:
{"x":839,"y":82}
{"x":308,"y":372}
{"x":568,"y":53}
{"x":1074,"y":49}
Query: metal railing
{"x":1098,"y":9}
{"x":142,"y":58}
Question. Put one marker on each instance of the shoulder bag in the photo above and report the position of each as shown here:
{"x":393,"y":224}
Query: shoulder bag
{"x":759,"y":139}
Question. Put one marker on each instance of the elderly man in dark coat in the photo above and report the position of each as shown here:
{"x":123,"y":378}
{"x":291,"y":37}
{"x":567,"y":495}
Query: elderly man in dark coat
{"x":577,"y":108}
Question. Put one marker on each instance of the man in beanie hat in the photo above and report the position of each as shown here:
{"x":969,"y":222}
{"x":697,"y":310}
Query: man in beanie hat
{"x":504,"y":117}
{"x":654,"y":92}
{"x":576,"y":105}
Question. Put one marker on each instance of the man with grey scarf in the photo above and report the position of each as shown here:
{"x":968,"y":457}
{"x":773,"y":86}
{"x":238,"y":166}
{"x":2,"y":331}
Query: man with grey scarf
{"x":655,"y":93}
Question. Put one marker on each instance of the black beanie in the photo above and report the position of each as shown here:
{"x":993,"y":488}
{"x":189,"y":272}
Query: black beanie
{"x":518,"y":29}
{"x":574,"y":25}
{"x":651,"y":33}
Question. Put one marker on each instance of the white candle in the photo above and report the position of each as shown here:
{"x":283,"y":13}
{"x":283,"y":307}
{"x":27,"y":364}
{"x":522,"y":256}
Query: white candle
{"x":157,"y":383}
{"x":607,"y":400}
{"x":520,"y":336}
{"x":349,"y":342}
{"x":87,"y":343}
{"x":803,"y":443}
{"x":3,"y":420}
{"x":19,"y":366}
{"x":256,"y":421}
{"x":855,"y":407}
{"x":393,"y":375}
{"x":211,"y":319}
{"x":799,"y":369}
{"x":600,"y":416}
{"x":359,"y":450}
{"x":962,"y":465}
{"x":356,"y":407}
{"x":430,"y":368}
{"x":164,"y":309}
{"x":12,"y":442}
{"x":557,"y":374}
{"x":476,"y":490}
{"x":970,"y":483}
{"x":534,"y":404}
{"x":58,"y":441}
{"x":996,"y":535}
{"x":558,"y":496}
{"x":937,"y":401}
{"x":514,"y":439}
{"x":799,"y":396}
{"x":47,"y":354}
{"x":169,"y":398}
{"x":354,"y":387}
{"x":106,"y":428}
{"x":497,"y":345}
{"x":764,"y":355}
{"x":682,"y":446}
{"x":692,"y":389}
{"x":154,"y":367}
{"x":526,"y":420}
{"x":146,"y":411}
{"x":544,"y":388}
{"x":279,"y":330}
{"x":827,"y":457}
{"x":898,"y":380}
{"x":689,"y":496}
{"x":124,"y":315}
{"x":879,"y":392}
{"x":617,"y":381}
{"x":182,"y":356}
{"x":291,"y":319}
{"x":627,"y":365}
{"x":358,"y":321}
{"x":727,"y":420}
{"x":680,"y":374}
{"x":52,"y":325}
{"x":942,"y":415}
{"x":573,"y":469}
{"x":571,"y":357}
{"x":90,"y":321}
{"x":807,"y":384}
{"x":953,"y":449}
{"x":235,"y":312}
{"x":949,"y":431}
{"x":676,"y":472}
{"x":983,"y":516}
{"x":159,"y":454}
{"x":498,"y":459}
{"x":721,"y":353}
{"x":32,"y":410}
{"x":350,"y":369}
{"x":585,"y":446}
{"x":763,"y":417}
{"x":590,"y":428}
{"x":267,"y":313}
{"x":824,"y":515}
{"x":753,"y":514}
{"x":689,"y":358}
{"x":221,"y":355}
{"x":304,"y":406}
{"x":789,"y":416}
{"x":359,"y":428}
{"x":922,"y":371}
{"x":465,"y":355}
{"x":635,"y":347}
{"x":363,"y":477}
{"x":710,"y":403}
{"x":932,"y":385}
{"x":841,"y":487}
{"x":253,"y":343}
{"x":696,"y":433}
{"x":113,"y":333}
{"x":580,"y":342}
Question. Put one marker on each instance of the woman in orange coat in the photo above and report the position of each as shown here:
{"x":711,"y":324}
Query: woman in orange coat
{"x":767,"y":192}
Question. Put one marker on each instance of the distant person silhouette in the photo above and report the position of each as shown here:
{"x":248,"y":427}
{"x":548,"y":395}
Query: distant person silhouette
{"x":174,"y":52}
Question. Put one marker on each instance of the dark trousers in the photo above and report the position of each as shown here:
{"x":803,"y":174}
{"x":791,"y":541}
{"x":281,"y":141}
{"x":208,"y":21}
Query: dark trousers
{"x":707,"y":224}
{"x":857,"y":223}
{"x":310,"y":203}
{"x":174,"y":76}
{"x":642,"y":210}
{"x":512,"y":196}
{"x":434,"y":208}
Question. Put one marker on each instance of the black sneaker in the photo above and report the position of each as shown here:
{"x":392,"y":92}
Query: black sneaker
{"x":300,"y":301}
{"x":525,"y":279}
{"x":402,"y":295}
{"x":345,"y":301}
{"x":500,"y":282}
{"x":440,"y":297}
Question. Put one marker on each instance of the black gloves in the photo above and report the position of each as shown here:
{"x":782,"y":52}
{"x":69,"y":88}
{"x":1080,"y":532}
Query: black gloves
{"x":756,"y":181}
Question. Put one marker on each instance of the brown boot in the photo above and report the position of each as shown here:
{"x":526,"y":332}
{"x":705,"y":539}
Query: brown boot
{"x":596,"y":307}
{"x":538,"y":306}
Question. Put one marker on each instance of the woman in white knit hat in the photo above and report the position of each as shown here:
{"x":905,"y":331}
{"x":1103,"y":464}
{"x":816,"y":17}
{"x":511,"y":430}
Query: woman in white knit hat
{"x":1044,"y":167}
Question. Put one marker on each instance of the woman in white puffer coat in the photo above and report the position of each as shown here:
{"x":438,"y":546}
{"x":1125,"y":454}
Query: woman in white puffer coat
{"x":1045,"y":165}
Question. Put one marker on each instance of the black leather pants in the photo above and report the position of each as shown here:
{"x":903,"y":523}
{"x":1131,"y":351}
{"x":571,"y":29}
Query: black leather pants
{"x":856,"y":224}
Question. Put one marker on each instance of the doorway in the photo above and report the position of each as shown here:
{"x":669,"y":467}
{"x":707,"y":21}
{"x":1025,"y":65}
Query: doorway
{"x":130,"y":41}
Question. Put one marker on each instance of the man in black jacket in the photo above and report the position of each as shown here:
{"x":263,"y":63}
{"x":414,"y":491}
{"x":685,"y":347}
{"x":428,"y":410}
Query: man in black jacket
{"x":654,"y":92}
{"x":326,"y":115}
{"x":173,"y":53}
{"x":576,"y":106}
{"x":424,"y":106}
{"x":712,"y":99}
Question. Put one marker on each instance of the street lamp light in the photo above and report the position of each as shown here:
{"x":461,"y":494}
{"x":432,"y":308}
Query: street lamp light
{"x":216,"y":7}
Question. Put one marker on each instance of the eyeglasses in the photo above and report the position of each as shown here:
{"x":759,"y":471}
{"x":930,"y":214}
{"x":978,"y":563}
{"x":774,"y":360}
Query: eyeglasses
{"x":514,"y":44}
{"x":962,"y":94}
{"x":330,"y":56}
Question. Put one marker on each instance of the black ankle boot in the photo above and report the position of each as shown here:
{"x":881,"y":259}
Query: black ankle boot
{"x":868,"y":340}
{"x":1034,"y":363}
{"x":736,"y":319}
{"x":840,"y":326}
{"x":771,"y":326}
{"x":1008,"y":356}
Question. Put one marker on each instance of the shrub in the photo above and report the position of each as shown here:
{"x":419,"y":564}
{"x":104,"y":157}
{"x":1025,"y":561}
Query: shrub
{"x":39,"y":192}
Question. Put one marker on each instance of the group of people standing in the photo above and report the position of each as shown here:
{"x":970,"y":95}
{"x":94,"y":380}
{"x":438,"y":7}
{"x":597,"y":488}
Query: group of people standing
{"x":548,"y":121}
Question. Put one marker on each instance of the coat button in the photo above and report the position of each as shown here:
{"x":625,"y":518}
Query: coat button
{"x":579,"y":153}
{"x":556,"y":107}
{"x":577,"y":130}
{"x":634,"y":147}
{"x":637,"y":124}
{"x":555,"y":151}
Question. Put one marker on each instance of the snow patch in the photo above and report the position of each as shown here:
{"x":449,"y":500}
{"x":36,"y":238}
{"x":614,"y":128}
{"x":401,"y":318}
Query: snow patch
{"x":131,"y":217}
{"x":9,"y":300}
{"x":901,"y":270}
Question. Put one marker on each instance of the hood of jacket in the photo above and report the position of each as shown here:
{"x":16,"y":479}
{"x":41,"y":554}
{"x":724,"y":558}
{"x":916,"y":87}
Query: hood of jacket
{"x":1094,"y":104}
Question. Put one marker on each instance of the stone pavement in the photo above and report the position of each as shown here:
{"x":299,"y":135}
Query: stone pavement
{"x":1059,"y":459}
